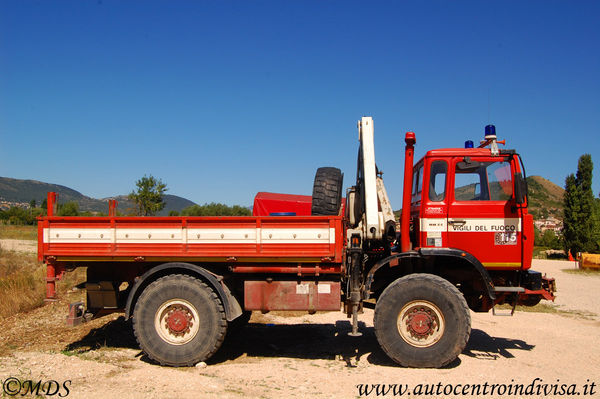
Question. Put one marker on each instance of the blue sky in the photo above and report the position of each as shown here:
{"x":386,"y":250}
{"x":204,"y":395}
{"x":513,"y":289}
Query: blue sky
{"x":222,"y":99}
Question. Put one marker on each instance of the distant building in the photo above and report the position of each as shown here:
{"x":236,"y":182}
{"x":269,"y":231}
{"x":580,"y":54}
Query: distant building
{"x":5,"y":205}
{"x":550,"y":223}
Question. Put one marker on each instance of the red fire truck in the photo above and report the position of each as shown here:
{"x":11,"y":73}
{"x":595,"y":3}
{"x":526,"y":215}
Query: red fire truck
{"x":465,"y":242}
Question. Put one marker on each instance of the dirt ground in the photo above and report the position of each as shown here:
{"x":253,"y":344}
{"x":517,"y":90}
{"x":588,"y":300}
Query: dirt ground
{"x":312,"y":356}
{"x":19,"y":245}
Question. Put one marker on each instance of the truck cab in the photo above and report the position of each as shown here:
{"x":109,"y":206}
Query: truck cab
{"x":465,"y":243}
{"x":465,"y":199}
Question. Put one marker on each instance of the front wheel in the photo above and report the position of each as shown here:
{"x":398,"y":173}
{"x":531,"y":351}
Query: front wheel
{"x":178,"y":320}
{"x":422,"y":320}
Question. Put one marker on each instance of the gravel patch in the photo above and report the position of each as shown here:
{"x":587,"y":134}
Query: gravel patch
{"x":310,"y":355}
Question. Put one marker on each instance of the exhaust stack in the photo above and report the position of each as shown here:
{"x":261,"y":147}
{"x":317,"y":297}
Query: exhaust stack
{"x":409,"y":152}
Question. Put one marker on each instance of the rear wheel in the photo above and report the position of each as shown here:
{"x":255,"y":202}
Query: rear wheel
{"x":327,"y":191}
{"x":179,"y":321}
{"x":422,"y":320}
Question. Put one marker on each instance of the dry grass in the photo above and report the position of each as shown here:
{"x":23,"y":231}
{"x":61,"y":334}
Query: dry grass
{"x":583,"y":272}
{"x":18,"y":232}
{"x":548,"y":308}
{"x":540,"y":308}
{"x":22,"y":282}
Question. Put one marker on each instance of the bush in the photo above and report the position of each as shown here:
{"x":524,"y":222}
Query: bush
{"x":215,"y":209}
{"x":20,"y":216}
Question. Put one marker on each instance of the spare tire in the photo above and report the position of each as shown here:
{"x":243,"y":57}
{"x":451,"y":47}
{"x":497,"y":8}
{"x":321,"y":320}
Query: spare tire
{"x":327,"y":191}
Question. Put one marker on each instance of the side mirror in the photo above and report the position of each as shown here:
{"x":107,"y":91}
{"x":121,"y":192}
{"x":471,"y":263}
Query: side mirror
{"x":520,"y":188}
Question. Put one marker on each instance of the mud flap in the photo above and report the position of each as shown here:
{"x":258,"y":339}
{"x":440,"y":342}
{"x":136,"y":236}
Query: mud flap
{"x":546,"y":292}
{"x":76,"y":312}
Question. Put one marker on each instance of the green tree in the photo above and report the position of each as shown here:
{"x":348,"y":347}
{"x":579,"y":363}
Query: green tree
{"x":596,"y":223}
{"x":537,"y":236}
{"x":148,"y":198}
{"x":580,"y":227}
{"x":550,"y":240}
{"x":572,"y":216}
{"x":585,"y":169}
{"x":68,"y":209}
{"x":17,"y":216}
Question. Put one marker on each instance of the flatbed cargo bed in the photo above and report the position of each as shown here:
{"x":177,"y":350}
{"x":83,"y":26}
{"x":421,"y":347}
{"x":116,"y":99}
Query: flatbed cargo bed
{"x":216,"y":239}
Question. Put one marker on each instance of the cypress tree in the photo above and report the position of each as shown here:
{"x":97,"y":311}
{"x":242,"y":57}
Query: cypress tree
{"x":596,"y":226}
{"x":585,"y":168}
{"x":571,"y":216}
{"x":580,"y":226}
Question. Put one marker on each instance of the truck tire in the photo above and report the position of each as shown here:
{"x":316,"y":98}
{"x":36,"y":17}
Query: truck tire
{"x":421,"y":320}
{"x":327,"y":191}
{"x":178,"y":320}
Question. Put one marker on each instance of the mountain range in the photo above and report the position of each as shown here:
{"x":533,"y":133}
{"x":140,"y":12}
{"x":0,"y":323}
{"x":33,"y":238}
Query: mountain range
{"x":545,"y":197}
{"x":20,"y":192}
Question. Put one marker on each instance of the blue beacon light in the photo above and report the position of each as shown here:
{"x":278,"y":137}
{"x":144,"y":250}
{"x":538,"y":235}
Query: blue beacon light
{"x":469,"y":144}
{"x":490,"y":132}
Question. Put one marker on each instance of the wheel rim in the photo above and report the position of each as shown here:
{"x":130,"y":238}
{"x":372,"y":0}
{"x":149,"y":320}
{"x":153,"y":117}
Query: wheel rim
{"x":421,"y":323}
{"x":177,"y":322}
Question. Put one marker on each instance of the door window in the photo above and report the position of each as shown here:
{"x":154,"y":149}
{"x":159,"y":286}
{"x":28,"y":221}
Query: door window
{"x":500,"y":181}
{"x":417,"y":184}
{"x":437,"y":181}
{"x":483,"y":181}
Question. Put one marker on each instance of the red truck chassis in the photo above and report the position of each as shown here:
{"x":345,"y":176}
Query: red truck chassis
{"x":465,"y":243}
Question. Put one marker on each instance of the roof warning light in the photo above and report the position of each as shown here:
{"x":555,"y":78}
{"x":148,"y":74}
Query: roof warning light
{"x":490,"y":132}
{"x":490,"y":139}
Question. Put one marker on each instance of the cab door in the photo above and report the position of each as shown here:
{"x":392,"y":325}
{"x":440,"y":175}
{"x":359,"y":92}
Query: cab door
{"x":433,"y":225}
{"x":483,"y":218}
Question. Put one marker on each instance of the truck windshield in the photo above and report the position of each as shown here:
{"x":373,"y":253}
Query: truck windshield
{"x":490,"y":181}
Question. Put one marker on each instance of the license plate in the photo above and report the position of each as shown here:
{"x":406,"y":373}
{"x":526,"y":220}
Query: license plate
{"x":505,"y":238}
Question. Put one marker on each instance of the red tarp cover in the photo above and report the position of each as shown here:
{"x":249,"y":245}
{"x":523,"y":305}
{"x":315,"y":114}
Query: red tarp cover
{"x":267,"y":203}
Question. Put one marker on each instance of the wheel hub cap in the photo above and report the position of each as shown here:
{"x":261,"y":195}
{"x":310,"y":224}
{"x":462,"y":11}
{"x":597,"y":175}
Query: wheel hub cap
{"x":178,"y":321}
{"x":420,"y":323}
